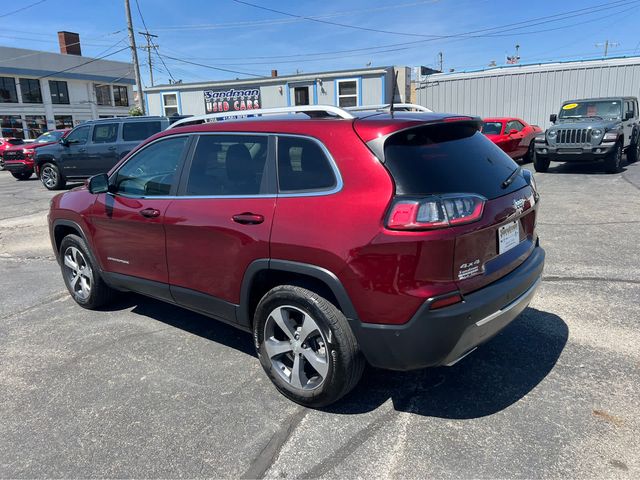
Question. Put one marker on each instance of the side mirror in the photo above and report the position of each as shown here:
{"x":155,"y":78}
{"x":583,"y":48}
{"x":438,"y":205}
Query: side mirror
{"x":99,"y":183}
{"x":553,"y":117}
{"x":628,"y":115}
{"x":64,"y":142}
{"x":513,"y":131}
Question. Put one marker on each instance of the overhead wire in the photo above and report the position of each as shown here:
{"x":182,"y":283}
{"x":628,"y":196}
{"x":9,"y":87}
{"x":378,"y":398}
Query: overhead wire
{"x":155,"y":47}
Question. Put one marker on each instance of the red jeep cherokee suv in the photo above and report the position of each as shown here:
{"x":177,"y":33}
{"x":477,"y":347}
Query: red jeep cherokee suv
{"x":399,"y":239}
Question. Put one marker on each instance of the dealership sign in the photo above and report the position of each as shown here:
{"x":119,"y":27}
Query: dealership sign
{"x":231,"y":100}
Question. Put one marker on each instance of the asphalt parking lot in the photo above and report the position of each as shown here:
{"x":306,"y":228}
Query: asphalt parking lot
{"x":150,"y":390}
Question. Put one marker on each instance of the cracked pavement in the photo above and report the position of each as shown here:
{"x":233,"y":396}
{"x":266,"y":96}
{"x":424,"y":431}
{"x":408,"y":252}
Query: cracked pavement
{"x":145,"y":389}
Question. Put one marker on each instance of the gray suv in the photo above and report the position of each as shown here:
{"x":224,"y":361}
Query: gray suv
{"x":93,"y":147}
{"x":591,"y":129}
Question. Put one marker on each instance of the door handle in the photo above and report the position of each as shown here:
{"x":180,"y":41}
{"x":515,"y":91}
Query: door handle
{"x":248,"y":218}
{"x":150,"y":213}
{"x":82,"y":150}
{"x":111,"y":149}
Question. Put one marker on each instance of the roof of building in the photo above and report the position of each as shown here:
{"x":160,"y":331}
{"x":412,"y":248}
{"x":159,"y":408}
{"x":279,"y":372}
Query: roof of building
{"x":302,"y":77}
{"x":36,"y":63}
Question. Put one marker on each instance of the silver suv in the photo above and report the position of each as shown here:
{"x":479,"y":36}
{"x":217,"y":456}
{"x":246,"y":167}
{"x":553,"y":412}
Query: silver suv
{"x":591,"y":129}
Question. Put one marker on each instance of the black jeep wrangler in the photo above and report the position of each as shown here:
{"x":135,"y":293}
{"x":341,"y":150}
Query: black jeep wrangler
{"x":591,"y":129}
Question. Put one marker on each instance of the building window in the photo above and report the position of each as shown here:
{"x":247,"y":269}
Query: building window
{"x":103,"y":94}
{"x":63,"y":121}
{"x":8,"y":92}
{"x":170,"y":104}
{"x":347,"y":93}
{"x":301,"y":95}
{"x":59,"y":92}
{"x":30,"y":90}
{"x":36,"y":125}
{"x":12,"y":126}
{"x":120,"y":96}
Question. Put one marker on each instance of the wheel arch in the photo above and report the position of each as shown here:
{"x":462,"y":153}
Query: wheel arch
{"x":265,"y":274}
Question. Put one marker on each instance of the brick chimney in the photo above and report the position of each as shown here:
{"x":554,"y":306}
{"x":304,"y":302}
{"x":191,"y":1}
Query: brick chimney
{"x":69,"y":43}
{"x":274,"y":73}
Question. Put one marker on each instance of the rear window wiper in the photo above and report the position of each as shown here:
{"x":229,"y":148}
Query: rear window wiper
{"x":511,"y":177}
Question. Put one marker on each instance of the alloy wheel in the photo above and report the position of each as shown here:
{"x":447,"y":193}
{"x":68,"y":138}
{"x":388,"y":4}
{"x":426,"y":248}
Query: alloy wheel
{"x":49,"y":177}
{"x":296,"y":347}
{"x":78,"y":273}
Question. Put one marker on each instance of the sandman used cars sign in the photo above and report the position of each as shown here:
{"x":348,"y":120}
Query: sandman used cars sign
{"x":231,"y":100}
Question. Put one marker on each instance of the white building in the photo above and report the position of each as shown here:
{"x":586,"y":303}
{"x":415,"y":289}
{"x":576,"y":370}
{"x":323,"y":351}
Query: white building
{"x":42,"y":91}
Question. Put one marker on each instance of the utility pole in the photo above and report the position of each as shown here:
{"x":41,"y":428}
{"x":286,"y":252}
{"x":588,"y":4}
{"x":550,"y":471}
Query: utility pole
{"x":148,"y":48}
{"x":440,"y":60}
{"x":606,"y":46}
{"x":134,"y":55}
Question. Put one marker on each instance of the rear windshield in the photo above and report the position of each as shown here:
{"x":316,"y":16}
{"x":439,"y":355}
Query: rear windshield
{"x":448,"y":159}
{"x":133,"y":131}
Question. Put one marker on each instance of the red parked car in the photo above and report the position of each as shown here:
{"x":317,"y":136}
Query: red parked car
{"x":5,"y":144}
{"x":513,"y":135}
{"x":335,"y":239}
{"x":19,"y":159}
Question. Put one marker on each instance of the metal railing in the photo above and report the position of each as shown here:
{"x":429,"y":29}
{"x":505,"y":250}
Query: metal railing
{"x":387,"y":106}
{"x":328,"y":110}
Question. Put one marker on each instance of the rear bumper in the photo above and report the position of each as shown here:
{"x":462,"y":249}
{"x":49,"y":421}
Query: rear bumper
{"x":441,"y":337}
{"x":18,"y":166}
{"x":575,"y":154}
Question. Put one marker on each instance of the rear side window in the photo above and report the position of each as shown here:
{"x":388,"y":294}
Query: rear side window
{"x":137,"y":131}
{"x":228,"y":165}
{"x":448,"y":159}
{"x":105,"y":133}
{"x":303,"y":166}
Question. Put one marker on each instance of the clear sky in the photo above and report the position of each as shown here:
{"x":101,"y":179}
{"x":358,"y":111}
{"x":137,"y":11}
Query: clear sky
{"x":231,"y":35}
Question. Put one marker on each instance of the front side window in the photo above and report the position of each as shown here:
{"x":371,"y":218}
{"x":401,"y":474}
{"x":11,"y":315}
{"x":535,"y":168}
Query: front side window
{"x":136,"y":131}
{"x":103,"y":94}
{"x":30,"y":90}
{"x":105,"y":132}
{"x":59,"y":92}
{"x":347,"y":93}
{"x":303,"y":166}
{"x":152,"y":170}
{"x":513,"y":125}
{"x":170,"y":102}
{"x":63,"y":121}
{"x":79,"y":136}
{"x":8,"y":93}
{"x":120,"y":96}
{"x":228,"y":165}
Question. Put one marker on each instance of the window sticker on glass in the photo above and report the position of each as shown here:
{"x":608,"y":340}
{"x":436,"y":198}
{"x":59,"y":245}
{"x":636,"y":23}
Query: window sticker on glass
{"x":570,"y":106}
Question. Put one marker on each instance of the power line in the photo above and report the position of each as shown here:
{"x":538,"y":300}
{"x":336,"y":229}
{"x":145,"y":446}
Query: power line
{"x":214,"y":68}
{"x":84,"y":63}
{"x":23,"y":8}
{"x":155,"y":47}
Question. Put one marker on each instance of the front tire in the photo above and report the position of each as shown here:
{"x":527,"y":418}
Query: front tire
{"x":613,"y":162}
{"x":22,"y":175}
{"x":541,"y":164}
{"x":528,"y":158}
{"x":306,"y":346}
{"x":81,"y":275}
{"x":51,"y":177}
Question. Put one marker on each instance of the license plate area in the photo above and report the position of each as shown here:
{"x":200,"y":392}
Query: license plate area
{"x":508,"y":237}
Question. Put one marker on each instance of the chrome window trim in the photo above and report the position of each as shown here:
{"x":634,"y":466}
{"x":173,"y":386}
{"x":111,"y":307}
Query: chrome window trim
{"x":286,"y":194}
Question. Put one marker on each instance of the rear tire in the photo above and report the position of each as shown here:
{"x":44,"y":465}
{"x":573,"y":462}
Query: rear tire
{"x":51,"y":177}
{"x":81,"y":275}
{"x":613,"y":161}
{"x":633,"y":152}
{"x":297,"y":330}
{"x":22,"y":175}
{"x":541,"y":164}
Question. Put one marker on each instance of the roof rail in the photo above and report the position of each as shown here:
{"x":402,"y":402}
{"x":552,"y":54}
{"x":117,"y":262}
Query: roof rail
{"x":387,"y":106}
{"x":326,"y":109}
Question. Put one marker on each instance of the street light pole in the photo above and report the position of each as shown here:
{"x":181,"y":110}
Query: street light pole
{"x":134,"y":55}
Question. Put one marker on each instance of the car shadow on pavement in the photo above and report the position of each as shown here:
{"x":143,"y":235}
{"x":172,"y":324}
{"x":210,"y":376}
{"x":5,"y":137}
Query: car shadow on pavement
{"x":495,"y":376}
{"x":583,"y":168}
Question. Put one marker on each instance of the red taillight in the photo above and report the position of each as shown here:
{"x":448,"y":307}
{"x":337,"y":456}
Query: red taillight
{"x":435,"y":211}
{"x":446,"y":301}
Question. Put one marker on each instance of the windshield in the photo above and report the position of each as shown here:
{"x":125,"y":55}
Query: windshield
{"x":592,"y":108}
{"x":492,"y":128}
{"x":49,"y":137}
